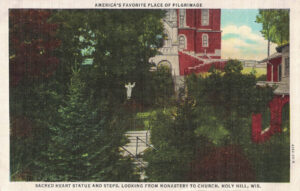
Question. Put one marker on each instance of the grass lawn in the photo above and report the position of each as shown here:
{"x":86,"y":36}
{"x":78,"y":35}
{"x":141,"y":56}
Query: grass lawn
{"x":246,"y":70}
{"x":142,"y":120}
{"x":259,"y":71}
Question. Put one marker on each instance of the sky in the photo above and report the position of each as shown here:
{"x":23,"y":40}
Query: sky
{"x":241,"y":37}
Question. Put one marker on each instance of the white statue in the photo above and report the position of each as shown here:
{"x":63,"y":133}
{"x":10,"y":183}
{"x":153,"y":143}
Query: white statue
{"x":129,"y":88}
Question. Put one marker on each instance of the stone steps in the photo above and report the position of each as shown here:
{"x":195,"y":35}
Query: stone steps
{"x":136,"y":147}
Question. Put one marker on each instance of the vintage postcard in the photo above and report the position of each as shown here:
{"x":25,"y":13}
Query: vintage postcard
{"x":150,"y":95}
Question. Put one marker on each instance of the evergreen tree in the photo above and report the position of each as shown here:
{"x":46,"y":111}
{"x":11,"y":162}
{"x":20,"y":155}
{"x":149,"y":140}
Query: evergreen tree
{"x":84,"y":146}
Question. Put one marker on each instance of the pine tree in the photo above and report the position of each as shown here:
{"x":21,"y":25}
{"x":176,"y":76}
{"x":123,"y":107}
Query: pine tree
{"x":84,"y":146}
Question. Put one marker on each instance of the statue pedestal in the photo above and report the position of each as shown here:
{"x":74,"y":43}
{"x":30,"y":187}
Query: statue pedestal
{"x":132,"y":106}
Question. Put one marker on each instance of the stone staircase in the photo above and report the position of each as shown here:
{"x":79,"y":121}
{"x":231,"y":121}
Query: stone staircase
{"x":204,"y":65}
{"x":194,"y":56}
{"x":138,"y":143}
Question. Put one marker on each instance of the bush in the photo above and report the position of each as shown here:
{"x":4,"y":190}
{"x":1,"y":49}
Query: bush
{"x":209,"y":137}
{"x":222,"y":164}
{"x":173,"y":137}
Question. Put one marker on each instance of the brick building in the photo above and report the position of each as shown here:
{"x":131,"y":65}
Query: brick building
{"x":193,"y":45}
{"x":193,"y":42}
{"x":278,"y":74}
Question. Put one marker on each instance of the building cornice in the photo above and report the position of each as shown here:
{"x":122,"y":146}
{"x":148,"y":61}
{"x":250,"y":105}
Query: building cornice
{"x":186,"y":28}
{"x":207,"y":30}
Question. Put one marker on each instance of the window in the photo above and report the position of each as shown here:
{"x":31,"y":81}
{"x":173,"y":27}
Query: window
{"x":287,"y":66}
{"x":181,"y":17}
{"x":204,"y":40}
{"x":181,"y":42}
{"x":205,"y":17}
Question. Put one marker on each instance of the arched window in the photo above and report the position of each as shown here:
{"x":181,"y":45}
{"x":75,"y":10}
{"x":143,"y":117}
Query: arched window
{"x":181,"y":17}
{"x":204,"y":40}
{"x":205,"y":17}
{"x":181,"y":42}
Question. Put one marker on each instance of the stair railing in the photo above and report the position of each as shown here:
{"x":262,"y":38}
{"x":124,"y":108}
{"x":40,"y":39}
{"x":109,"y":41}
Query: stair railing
{"x":134,"y":156}
{"x":137,"y":138}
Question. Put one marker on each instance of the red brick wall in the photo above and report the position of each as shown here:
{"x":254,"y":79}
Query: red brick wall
{"x":193,"y":19}
{"x":215,"y":14}
{"x":190,"y":17}
{"x":214,"y":40}
{"x":275,"y":62}
{"x":190,"y":36}
{"x":276,"y":105}
{"x":186,"y":61}
{"x":194,"y":38}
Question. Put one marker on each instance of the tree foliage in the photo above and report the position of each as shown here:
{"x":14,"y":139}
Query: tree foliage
{"x":81,"y":147}
{"x":160,"y":83}
{"x":271,"y":159}
{"x":210,"y":130}
{"x":173,"y":137}
{"x":32,"y":60}
{"x":32,"y":43}
{"x":230,"y":97}
{"x":222,"y":164}
{"x":123,"y":47}
{"x":120,"y":43}
{"x":275,"y":24}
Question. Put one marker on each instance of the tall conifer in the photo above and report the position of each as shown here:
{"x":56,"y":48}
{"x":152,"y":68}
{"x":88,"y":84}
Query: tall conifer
{"x":84,"y":146}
